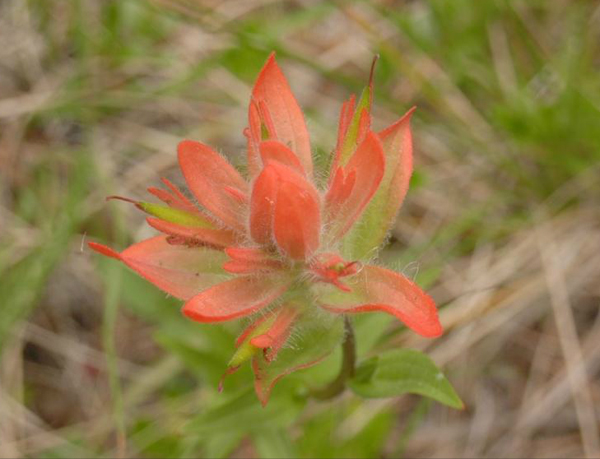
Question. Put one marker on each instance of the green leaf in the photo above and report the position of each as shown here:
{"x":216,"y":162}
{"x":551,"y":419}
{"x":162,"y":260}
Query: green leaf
{"x":403,"y":371}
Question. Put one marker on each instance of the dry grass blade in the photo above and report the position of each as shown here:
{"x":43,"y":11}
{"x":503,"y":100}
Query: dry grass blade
{"x":569,"y":341}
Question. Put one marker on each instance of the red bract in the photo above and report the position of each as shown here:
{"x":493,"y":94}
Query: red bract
{"x":275,"y":247}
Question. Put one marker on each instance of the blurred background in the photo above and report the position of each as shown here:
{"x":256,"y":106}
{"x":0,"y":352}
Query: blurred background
{"x":502,"y":223}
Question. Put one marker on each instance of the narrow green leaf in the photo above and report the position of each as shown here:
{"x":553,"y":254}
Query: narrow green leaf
{"x":403,"y":371}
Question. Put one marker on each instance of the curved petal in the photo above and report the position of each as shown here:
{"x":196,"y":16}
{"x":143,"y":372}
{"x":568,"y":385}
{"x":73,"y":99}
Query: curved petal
{"x":273,"y":150}
{"x":274,"y":103}
{"x":397,"y":146}
{"x":253,"y":135}
{"x":350,"y":193}
{"x":297,"y":220}
{"x":285,"y":207}
{"x":218,"y":238}
{"x":178,"y":270}
{"x":262,"y":204}
{"x":234,"y":298}
{"x":214,"y":182}
{"x":379,"y":289}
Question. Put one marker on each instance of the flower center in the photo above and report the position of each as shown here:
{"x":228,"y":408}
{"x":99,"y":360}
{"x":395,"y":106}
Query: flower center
{"x":330,"y":267}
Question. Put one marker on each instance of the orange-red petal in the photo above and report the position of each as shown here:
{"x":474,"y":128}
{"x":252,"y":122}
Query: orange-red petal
{"x":272,"y":91}
{"x":253,"y":136}
{"x":104,"y":250}
{"x":234,"y":298}
{"x":262,"y":203}
{"x":397,"y":146}
{"x":250,"y":260}
{"x":285,"y":208}
{"x":273,"y":150}
{"x":297,"y":221}
{"x":178,"y":270}
{"x":214,"y":182}
{"x":345,"y":203}
{"x":379,"y":289}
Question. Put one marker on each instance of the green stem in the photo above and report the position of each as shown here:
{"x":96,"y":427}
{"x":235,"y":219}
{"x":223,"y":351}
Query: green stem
{"x":111,"y":312}
{"x":337,"y":386}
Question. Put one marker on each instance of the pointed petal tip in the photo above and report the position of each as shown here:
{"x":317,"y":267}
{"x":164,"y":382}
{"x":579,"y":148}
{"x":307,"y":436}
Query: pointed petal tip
{"x":401,"y":121}
{"x":269,"y":66}
{"x":279,"y":112}
{"x":104,"y":250}
{"x":409,"y":113}
{"x":404,"y":119}
{"x":271,"y":61}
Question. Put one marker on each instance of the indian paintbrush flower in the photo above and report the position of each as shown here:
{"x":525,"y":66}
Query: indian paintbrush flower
{"x":275,"y":246}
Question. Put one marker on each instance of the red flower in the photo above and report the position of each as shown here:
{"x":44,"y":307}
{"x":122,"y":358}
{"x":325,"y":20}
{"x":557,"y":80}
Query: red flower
{"x":276,"y":245}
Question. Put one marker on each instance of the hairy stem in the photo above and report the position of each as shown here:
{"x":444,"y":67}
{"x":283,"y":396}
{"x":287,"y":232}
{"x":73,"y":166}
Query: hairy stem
{"x":337,"y":386}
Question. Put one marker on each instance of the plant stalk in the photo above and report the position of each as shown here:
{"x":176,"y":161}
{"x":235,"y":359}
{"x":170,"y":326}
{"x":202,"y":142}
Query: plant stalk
{"x":338,"y":385}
